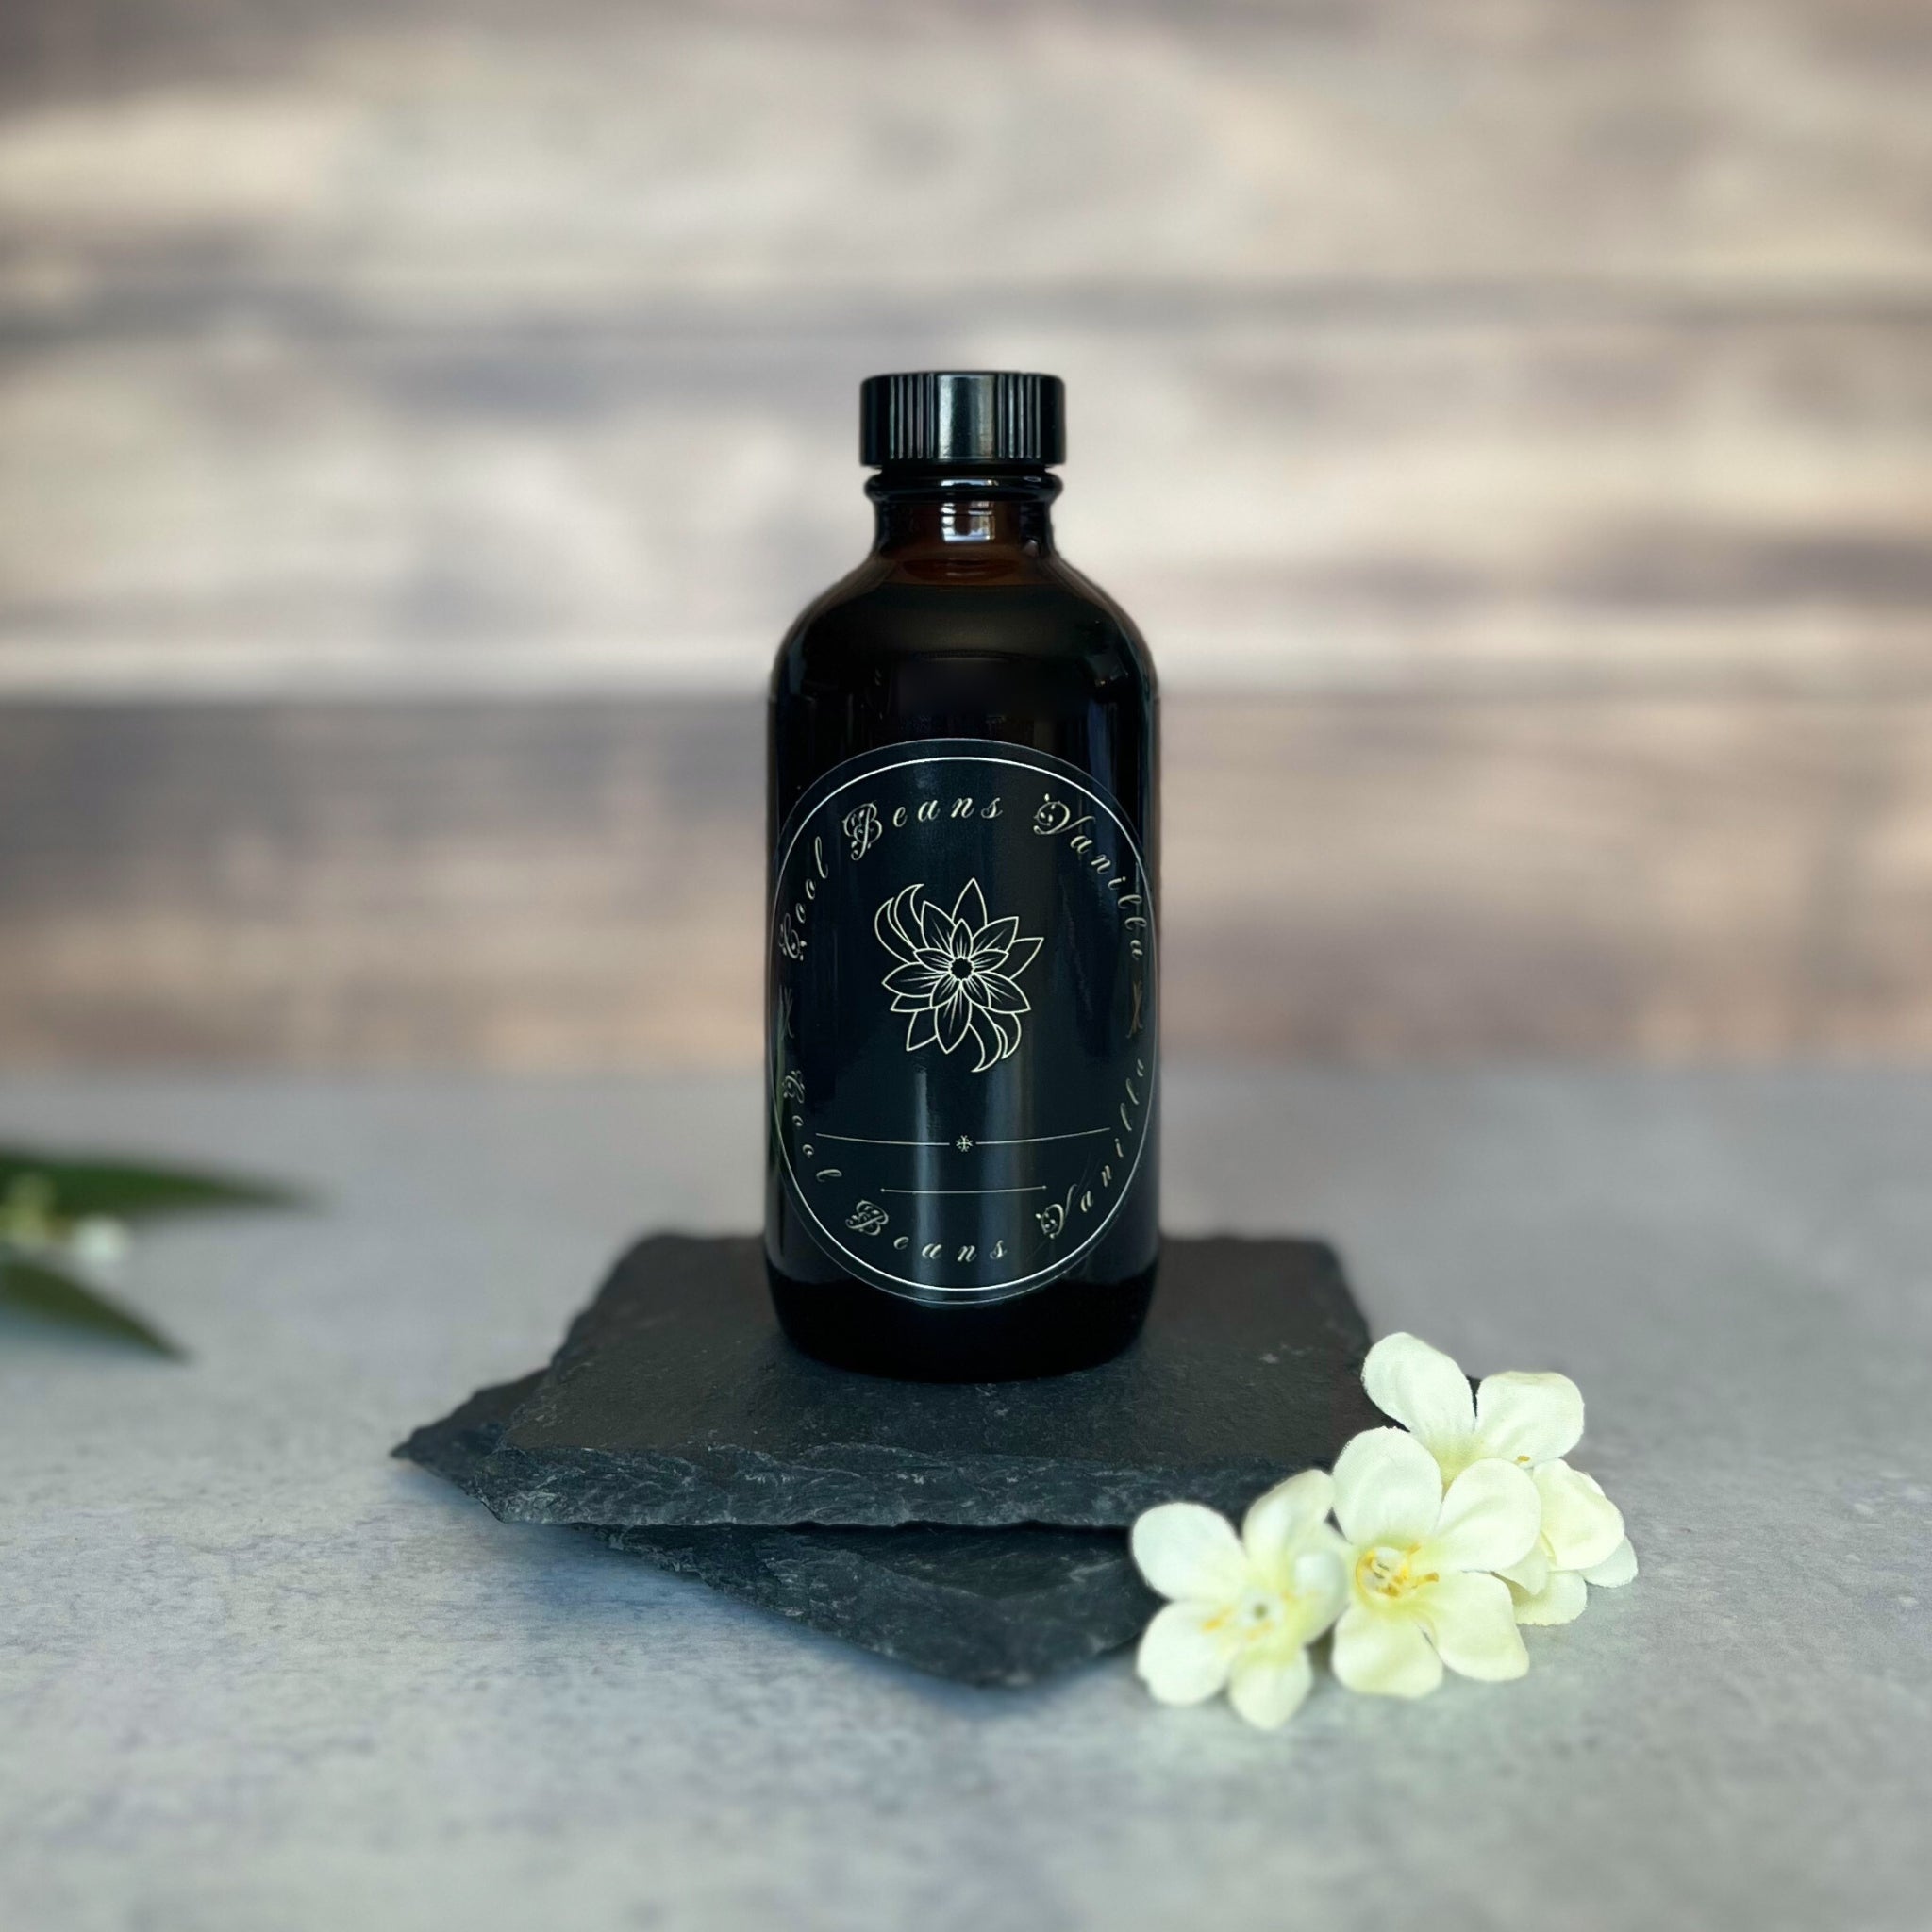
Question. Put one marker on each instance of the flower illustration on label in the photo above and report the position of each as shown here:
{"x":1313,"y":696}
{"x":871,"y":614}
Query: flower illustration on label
{"x":956,"y":973}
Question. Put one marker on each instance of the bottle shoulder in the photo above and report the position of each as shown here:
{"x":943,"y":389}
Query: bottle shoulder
{"x":1037,"y":612}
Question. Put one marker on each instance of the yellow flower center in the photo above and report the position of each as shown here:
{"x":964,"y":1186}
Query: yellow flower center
{"x":1254,"y":1616}
{"x":1385,"y":1576}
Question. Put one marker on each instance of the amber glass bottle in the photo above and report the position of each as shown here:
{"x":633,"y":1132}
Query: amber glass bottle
{"x":962,"y":1021}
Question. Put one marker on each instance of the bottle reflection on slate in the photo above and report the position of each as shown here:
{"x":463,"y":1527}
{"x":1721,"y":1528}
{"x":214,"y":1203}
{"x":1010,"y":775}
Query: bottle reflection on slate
{"x":962,"y":1019}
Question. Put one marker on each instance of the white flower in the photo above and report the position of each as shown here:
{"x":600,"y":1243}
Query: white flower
{"x":1244,"y":1608}
{"x":99,"y":1242}
{"x":1418,"y":1597}
{"x":1549,"y":1584}
{"x":1522,"y":1419}
{"x":1532,"y":1420}
{"x":956,"y":972}
{"x":1617,"y":1569}
{"x":31,"y":1224}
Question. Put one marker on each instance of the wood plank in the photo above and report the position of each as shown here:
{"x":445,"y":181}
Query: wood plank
{"x":572,"y":885}
{"x":483,"y":149}
{"x":359,"y":886}
{"x":457,"y":346}
{"x":1540,"y":392}
{"x":1403,"y":881}
{"x":1356,"y":503}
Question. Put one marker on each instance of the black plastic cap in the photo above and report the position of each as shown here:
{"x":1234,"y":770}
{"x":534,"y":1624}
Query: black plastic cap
{"x":961,"y":416}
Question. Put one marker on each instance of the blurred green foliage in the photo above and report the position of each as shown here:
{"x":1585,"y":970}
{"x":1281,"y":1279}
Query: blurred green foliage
{"x":64,"y":1223}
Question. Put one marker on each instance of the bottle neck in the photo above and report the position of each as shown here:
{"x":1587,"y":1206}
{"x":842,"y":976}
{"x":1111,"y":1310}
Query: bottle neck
{"x":929,"y":510}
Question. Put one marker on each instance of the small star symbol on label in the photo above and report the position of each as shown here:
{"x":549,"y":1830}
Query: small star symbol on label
{"x":964,"y":1144}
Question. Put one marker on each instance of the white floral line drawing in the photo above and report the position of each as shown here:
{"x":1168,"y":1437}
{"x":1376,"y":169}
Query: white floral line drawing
{"x":956,"y":972}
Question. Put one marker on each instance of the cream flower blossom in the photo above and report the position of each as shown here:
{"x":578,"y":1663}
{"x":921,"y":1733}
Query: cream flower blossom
{"x":1617,"y":1569}
{"x":1244,"y":1608}
{"x":29,"y":1222}
{"x":1419,"y":1594}
{"x":1532,"y":1420}
{"x":1549,"y":1584}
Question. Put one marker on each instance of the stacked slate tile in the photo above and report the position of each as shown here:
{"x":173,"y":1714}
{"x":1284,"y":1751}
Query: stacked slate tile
{"x":973,"y":1530}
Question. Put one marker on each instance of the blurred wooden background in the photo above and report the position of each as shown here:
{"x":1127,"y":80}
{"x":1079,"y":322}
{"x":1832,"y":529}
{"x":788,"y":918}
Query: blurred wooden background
{"x":1512,"y":423}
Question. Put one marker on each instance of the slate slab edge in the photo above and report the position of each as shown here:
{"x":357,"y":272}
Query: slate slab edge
{"x":873,"y":1485}
{"x":917,"y":1596}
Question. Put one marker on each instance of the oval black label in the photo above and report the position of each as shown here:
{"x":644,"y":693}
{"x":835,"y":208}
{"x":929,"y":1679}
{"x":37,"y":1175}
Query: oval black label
{"x":962,"y":1026}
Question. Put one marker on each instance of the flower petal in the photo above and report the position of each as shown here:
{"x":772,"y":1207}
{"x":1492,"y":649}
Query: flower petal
{"x":1559,"y":1601}
{"x":1000,"y":993}
{"x":1319,"y":1584}
{"x":1388,"y":1489}
{"x":1581,"y":1524}
{"x":1001,"y":1036}
{"x":936,"y":927}
{"x":956,"y":1019}
{"x":990,"y":944}
{"x":1280,"y":1520}
{"x":1421,"y":1387}
{"x":985,"y":1041}
{"x":1186,"y":1550}
{"x":1528,"y":1418}
{"x":968,"y":915}
{"x":885,"y":922}
{"x":1384,"y":1654}
{"x":1472,"y":1620}
{"x":1268,"y":1690}
{"x":1530,"y":1576}
{"x":1181,"y":1659}
{"x":913,"y":980}
{"x":1020,"y":955}
{"x":1489,"y":1520}
{"x":922,"y":1029}
{"x":1616,"y":1570}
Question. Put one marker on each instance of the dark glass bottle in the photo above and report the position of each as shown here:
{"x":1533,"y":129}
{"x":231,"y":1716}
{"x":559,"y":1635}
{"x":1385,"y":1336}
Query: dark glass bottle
{"x":962,"y":1021}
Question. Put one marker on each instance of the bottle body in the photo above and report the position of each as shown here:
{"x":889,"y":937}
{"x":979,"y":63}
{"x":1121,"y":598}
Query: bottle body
{"x":962,"y":1050}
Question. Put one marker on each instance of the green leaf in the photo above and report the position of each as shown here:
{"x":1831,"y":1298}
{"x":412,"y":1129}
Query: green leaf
{"x":41,"y":1289}
{"x":127,"y":1189}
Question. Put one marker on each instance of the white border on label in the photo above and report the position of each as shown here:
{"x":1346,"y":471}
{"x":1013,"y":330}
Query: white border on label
{"x":879,"y":1277}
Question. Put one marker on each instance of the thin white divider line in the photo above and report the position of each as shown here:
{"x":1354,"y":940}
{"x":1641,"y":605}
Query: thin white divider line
{"x":1031,"y":1140}
{"x":861,"y":1141}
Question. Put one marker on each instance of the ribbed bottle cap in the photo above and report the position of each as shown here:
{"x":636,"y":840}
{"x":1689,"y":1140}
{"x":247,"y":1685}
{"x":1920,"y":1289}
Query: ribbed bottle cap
{"x":961,"y":416}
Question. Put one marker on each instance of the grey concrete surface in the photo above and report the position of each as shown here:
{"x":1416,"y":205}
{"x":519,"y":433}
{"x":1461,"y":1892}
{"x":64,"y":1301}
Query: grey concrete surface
{"x":253,"y":1674}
